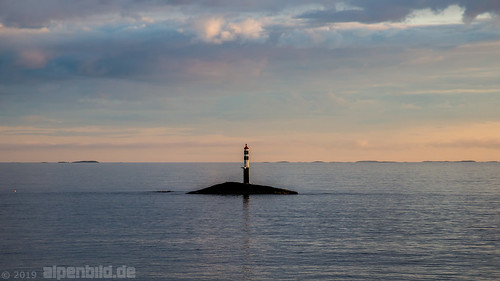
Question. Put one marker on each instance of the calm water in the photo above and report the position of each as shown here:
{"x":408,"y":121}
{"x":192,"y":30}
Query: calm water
{"x":351,"y":221}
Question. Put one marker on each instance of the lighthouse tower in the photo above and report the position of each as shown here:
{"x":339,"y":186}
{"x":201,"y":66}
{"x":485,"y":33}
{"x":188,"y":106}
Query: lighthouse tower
{"x":246,"y":165}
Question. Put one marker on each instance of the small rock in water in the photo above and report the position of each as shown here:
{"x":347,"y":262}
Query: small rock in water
{"x":238,"y":188}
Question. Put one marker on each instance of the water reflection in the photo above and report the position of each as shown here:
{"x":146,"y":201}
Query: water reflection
{"x":246,"y":268}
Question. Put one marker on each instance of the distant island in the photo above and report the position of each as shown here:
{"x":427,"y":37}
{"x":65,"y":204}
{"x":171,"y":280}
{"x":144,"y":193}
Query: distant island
{"x":374,"y":161}
{"x":86,"y":161}
{"x":385,"y":162}
{"x":462,"y":161}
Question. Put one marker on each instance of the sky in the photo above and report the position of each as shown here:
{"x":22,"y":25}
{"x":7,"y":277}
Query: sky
{"x":194,"y":81}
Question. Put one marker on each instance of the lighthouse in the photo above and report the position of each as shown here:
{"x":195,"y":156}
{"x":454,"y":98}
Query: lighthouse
{"x":246,"y":166}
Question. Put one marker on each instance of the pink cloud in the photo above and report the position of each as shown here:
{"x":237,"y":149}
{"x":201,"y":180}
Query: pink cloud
{"x":32,"y":59}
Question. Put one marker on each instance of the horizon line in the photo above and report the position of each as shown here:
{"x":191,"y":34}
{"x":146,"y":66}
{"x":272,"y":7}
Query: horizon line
{"x":260,"y":162}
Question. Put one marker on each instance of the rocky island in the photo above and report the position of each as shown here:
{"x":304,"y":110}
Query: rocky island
{"x":244,"y":188}
{"x":238,"y":188}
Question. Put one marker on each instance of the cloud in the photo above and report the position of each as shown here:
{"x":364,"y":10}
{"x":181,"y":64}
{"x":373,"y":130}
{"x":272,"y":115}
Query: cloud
{"x":35,"y":14}
{"x":161,"y":51}
{"x":367,"y":11}
{"x":471,"y":144}
{"x":32,"y":59}
{"x":211,"y":29}
{"x":478,"y":7}
{"x":276,"y":68}
{"x":248,"y":28}
{"x":217,"y":30}
{"x":20,"y":13}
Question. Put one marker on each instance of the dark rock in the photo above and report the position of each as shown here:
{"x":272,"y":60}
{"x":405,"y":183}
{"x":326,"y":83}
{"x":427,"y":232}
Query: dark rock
{"x":163,"y":191}
{"x":238,"y":188}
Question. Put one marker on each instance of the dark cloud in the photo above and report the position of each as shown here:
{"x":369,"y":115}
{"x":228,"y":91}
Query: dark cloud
{"x":133,"y":54}
{"x":35,"y":13}
{"x":475,"y":8}
{"x":368,"y":11}
{"x":157,"y":53}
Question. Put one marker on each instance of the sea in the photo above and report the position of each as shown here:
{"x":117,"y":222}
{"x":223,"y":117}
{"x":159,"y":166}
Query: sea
{"x":350,"y":221}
